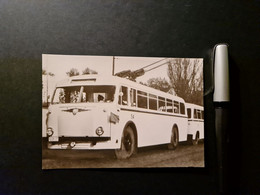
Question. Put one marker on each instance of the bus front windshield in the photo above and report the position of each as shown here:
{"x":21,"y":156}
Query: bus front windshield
{"x":84,"y":94}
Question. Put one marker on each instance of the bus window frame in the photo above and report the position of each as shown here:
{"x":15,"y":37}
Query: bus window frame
{"x":144,"y":95}
{"x":199,"y":114}
{"x":161,"y":99}
{"x":195,"y":116}
{"x":121,"y":95}
{"x":176,"y":108}
{"x":133,"y":97}
{"x":153,"y":97}
{"x":182,"y":108}
{"x":167,"y":105}
{"x":189,"y":113}
{"x":202,"y":114}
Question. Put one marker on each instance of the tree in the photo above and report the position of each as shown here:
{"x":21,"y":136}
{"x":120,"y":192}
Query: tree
{"x":89,"y":71}
{"x":159,"y":83}
{"x":51,"y":74}
{"x":44,"y":72}
{"x":45,"y":75}
{"x":186,"y":78}
{"x":142,"y":83}
{"x":72,"y":72}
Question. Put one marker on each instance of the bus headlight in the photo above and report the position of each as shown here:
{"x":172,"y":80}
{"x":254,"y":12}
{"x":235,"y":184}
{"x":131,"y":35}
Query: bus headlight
{"x":49,"y":131}
{"x":72,"y":144}
{"x":75,"y":111}
{"x":99,"y":131}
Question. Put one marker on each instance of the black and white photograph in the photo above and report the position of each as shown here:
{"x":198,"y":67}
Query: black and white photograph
{"x":122,"y":112}
{"x":129,"y":97}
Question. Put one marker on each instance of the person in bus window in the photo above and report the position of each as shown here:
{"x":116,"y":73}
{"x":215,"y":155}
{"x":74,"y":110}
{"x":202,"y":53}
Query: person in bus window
{"x":100,"y":98}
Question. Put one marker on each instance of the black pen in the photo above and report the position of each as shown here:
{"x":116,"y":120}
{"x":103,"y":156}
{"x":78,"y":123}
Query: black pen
{"x":221,"y":101}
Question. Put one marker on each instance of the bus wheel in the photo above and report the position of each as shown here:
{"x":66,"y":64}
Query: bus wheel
{"x":174,"y":139}
{"x":196,"y":140}
{"x":128,"y":144}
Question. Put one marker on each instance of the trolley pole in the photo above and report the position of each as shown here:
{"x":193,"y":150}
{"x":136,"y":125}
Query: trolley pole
{"x":113,"y":66}
{"x":47,"y":85}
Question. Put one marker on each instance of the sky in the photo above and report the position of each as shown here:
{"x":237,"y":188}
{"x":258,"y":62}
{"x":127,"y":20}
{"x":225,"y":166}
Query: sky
{"x":60,"y":64}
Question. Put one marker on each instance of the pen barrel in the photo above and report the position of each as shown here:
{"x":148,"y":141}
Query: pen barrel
{"x":221,"y":121}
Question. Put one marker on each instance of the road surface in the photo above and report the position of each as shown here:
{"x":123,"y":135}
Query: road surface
{"x":157,"y":156}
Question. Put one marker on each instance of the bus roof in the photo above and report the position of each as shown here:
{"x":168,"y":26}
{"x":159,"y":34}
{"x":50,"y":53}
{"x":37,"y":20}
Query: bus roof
{"x":95,"y":79}
{"x":189,"y":105}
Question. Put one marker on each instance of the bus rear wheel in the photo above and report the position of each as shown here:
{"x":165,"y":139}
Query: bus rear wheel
{"x":196,"y":140}
{"x":128,"y":144}
{"x":174,"y":139}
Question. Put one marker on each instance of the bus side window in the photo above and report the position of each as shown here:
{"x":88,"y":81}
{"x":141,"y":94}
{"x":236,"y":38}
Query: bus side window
{"x":60,"y":97}
{"x":182,"y":108}
{"x":195,"y":113}
{"x":202,"y":114}
{"x":189,"y":112}
{"x":199,"y":114}
{"x":161,"y":104}
{"x":152,"y":102}
{"x":142,"y":99}
{"x":122,"y":100}
{"x":84,"y":97}
{"x":176,"y":107}
{"x":133,"y":97}
{"x":169,"y":105}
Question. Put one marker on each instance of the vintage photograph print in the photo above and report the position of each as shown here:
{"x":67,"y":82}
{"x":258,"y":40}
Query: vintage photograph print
{"x":122,"y":112}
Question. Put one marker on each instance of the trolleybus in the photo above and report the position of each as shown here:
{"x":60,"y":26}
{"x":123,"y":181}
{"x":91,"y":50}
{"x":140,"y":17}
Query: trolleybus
{"x":99,"y":112}
{"x":195,"y":123}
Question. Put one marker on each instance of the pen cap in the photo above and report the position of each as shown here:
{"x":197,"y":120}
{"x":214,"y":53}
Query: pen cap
{"x":221,"y":74}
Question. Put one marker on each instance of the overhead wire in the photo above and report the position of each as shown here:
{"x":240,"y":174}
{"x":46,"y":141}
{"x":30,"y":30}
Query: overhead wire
{"x":153,"y":63}
{"x":156,"y":67}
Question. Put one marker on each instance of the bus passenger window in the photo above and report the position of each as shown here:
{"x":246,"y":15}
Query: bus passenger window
{"x":176,"y":107}
{"x":162,"y":106}
{"x":133,"y":97}
{"x":169,"y":106}
{"x":195,"y":113}
{"x":67,"y":95}
{"x":199,"y":114}
{"x":202,"y":114}
{"x":59,"y":97}
{"x":152,"y":102}
{"x":189,"y":112}
{"x":182,"y":108}
{"x":84,"y":97}
{"x":100,"y":97}
{"x":122,"y":100}
{"x":86,"y":94}
{"x":141,"y":99}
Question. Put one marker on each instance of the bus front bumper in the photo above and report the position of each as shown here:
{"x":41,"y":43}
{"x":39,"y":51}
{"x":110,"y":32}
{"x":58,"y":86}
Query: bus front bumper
{"x":83,"y":143}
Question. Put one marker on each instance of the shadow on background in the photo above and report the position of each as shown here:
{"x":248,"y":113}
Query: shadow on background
{"x":235,"y":131}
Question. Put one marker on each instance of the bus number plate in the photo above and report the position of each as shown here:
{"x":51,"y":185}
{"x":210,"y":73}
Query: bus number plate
{"x":53,"y":139}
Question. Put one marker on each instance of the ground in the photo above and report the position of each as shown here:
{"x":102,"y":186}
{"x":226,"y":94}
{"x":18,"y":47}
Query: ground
{"x":156,"y":156}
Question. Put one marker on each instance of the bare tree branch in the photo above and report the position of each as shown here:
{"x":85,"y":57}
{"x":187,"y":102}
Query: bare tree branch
{"x":186,"y":79}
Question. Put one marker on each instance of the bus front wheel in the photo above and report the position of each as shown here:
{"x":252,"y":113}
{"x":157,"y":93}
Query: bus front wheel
{"x":128,"y":144}
{"x":174,"y":139}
